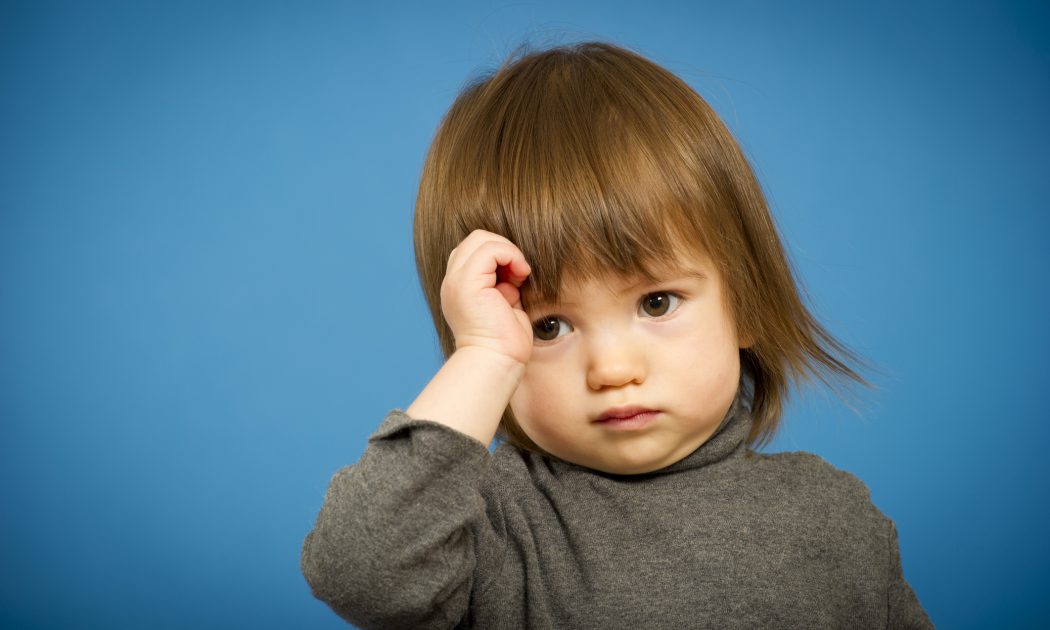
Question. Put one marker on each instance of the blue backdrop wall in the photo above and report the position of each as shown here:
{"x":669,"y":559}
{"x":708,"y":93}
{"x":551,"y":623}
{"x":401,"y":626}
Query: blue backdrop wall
{"x":208,"y":300}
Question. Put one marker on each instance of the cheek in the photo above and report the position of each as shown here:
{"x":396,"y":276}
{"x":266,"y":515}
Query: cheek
{"x":524,"y":402}
{"x":700,"y":347}
{"x":538,"y":395}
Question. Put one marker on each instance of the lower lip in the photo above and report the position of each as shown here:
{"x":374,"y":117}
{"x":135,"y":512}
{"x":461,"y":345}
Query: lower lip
{"x":634,"y":422}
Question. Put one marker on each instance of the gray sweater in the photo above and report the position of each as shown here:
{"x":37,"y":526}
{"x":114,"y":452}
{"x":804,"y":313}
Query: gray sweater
{"x":430,"y":530}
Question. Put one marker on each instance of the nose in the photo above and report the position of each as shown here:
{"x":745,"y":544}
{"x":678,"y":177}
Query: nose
{"x":615,"y":360}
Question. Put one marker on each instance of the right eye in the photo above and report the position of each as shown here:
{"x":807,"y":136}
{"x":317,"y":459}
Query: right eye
{"x":550,"y":328}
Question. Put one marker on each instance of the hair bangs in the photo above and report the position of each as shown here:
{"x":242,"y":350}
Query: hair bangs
{"x":579,"y":178}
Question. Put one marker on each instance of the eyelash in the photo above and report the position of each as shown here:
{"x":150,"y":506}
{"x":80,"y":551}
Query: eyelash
{"x":675,"y":299}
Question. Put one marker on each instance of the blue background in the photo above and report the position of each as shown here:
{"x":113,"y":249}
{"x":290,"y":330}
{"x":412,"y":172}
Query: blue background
{"x":208,"y":299}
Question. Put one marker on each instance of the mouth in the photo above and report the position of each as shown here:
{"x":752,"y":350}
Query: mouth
{"x":631,"y":415}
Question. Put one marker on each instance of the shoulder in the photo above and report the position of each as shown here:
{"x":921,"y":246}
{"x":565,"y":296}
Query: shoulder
{"x":807,"y":469}
{"x":828,"y":515}
{"x":810,"y":480}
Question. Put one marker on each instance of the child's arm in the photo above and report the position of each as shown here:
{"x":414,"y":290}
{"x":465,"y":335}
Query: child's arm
{"x":481,"y":302}
{"x":401,"y":533}
{"x":905,"y":611}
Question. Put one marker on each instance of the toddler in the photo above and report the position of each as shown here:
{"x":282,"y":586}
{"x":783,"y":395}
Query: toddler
{"x":615,"y":304}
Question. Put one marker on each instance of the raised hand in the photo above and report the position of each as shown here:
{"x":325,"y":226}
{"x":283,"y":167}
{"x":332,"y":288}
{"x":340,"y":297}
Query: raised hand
{"x":481,"y":301}
{"x":481,"y":298}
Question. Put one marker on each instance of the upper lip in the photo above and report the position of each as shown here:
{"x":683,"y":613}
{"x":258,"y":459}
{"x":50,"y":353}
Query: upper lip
{"x":619,"y":413}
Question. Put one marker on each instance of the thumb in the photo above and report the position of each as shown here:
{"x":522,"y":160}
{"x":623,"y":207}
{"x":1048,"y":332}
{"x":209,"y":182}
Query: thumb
{"x":510,"y":293}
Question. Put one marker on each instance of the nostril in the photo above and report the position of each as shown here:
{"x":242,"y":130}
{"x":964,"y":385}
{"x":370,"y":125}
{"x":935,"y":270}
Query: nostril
{"x":614,"y":375}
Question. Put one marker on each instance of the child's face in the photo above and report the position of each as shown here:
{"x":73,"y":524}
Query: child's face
{"x":625,"y":345}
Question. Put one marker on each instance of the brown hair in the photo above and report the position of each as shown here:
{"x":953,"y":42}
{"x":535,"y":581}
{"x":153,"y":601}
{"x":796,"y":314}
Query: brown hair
{"x":593,"y":159}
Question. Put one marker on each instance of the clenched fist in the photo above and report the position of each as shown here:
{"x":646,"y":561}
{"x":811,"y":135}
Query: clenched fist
{"x":481,"y":298}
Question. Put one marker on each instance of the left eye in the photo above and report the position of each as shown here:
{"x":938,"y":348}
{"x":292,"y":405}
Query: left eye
{"x":658,"y":304}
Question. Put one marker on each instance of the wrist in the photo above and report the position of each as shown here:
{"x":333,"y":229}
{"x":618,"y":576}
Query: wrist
{"x":489,"y":360}
{"x":470,"y":392}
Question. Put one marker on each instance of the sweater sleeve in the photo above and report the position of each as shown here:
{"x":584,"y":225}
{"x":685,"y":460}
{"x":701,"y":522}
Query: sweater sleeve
{"x":394,"y":543}
{"x":904,"y":608}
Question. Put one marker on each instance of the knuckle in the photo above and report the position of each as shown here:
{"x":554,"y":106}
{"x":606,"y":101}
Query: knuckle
{"x":474,"y":235}
{"x":448,"y":294}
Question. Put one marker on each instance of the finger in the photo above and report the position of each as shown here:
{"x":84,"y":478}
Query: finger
{"x":488,"y":259}
{"x":482,"y":236}
{"x":510,"y":293}
{"x":511,"y":263}
{"x":515,"y":273}
{"x":517,"y":270}
{"x":469,"y":245}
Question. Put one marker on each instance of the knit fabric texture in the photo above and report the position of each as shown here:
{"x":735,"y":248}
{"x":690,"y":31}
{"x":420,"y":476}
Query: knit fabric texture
{"x":431,"y":530}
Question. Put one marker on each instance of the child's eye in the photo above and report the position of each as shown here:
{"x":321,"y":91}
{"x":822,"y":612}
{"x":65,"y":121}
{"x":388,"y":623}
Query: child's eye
{"x":658,"y":304}
{"x":550,"y":328}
